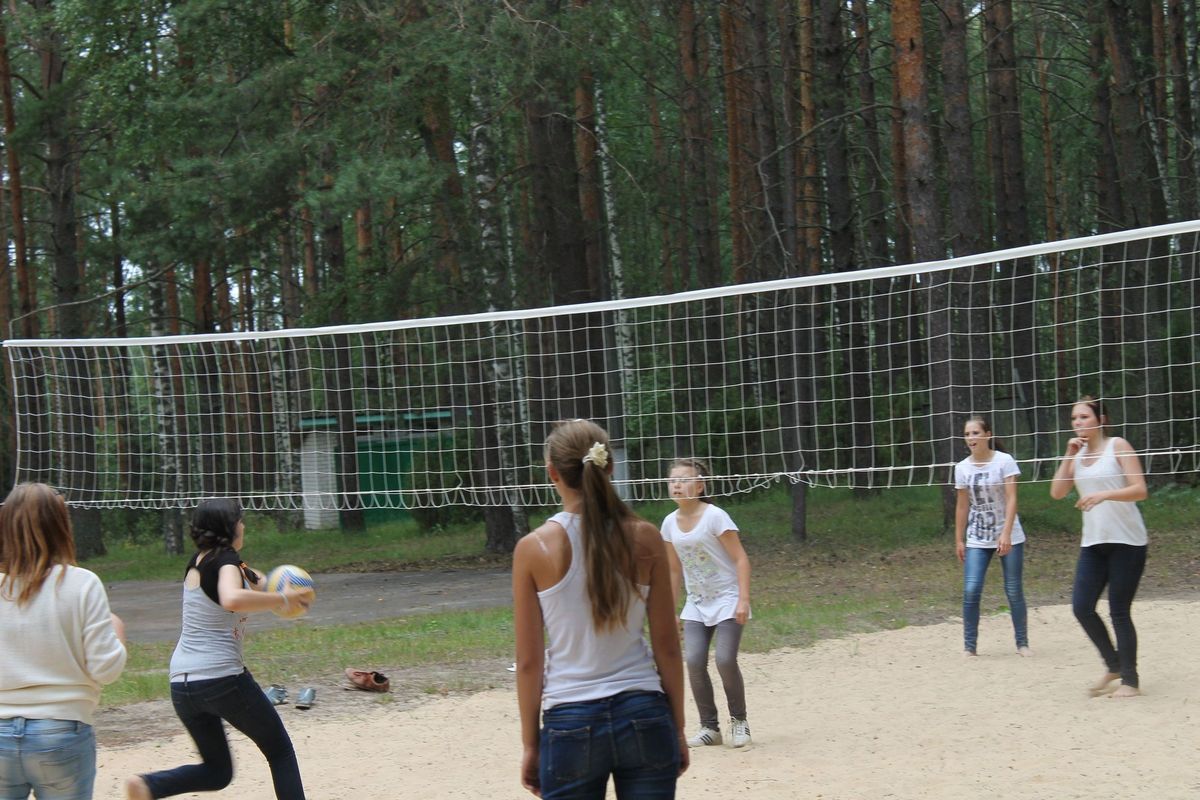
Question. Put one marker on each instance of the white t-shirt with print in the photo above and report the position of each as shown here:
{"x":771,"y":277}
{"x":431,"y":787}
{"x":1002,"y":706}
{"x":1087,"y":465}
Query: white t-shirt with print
{"x":984,"y":483}
{"x":709,"y":574}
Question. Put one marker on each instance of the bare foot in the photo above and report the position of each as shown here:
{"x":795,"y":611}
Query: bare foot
{"x":1025,"y":652}
{"x":136,"y":789}
{"x":1102,"y":686}
{"x":968,"y":654}
{"x":1126,"y":691}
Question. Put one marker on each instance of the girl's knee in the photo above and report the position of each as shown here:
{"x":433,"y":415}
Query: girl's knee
{"x":697,"y":662}
{"x":217,"y":779}
{"x":727,"y":665}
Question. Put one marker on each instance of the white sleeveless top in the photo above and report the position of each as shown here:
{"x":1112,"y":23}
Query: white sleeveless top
{"x":1113,"y":521}
{"x":582,"y":663}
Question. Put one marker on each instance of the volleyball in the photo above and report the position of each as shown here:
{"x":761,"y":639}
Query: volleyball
{"x":289,"y":575}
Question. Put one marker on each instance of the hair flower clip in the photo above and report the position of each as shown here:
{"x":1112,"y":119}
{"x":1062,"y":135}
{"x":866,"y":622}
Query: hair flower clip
{"x":598,"y":455}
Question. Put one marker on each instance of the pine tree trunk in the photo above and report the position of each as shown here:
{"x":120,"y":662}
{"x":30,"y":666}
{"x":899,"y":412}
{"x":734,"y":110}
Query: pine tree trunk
{"x":927,"y":229}
{"x":810,"y":220}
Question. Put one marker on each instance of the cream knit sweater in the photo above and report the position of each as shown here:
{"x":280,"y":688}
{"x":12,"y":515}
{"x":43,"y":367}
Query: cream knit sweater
{"x":58,"y":650}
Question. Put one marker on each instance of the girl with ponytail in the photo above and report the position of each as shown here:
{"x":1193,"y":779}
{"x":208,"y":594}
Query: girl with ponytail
{"x":584,"y":584}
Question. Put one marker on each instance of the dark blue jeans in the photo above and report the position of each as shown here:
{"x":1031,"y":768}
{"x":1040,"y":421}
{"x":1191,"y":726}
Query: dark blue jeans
{"x":238,"y":700}
{"x":1119,"y":567}
{"x":630,"y":736}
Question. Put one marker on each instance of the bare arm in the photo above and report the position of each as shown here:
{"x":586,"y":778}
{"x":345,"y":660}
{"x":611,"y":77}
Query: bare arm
{"x":1004,"y":546}
{"x":961,"y":507}
{"x":1064,"y":477}
{"x":664,"y":636}
{"x":733,"y":546}
{"x":676,"y":570}
{"x":235,"y":597}
{"x":531,"y":653}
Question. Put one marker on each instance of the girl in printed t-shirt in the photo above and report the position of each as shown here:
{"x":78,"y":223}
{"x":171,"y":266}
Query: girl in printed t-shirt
{"x":986,"y":524}
{"x":703,"y":545}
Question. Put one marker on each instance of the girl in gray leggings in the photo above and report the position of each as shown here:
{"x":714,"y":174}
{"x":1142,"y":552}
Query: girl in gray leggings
{"x":704,"y":549}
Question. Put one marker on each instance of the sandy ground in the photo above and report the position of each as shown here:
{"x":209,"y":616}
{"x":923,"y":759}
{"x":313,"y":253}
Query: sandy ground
{"x":897,"y":714}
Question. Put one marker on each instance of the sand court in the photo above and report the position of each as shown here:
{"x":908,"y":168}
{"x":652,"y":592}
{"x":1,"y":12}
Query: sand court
{"x":895,"y":714}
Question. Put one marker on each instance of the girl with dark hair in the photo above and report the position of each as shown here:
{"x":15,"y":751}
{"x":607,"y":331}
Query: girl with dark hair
{"x":1107,"y":474}
{"x":584,"y":583}
{"x":706,"y":554}
{"x":60,"y":644}
{"x":210,"y":684}
{"x":986,"y":524}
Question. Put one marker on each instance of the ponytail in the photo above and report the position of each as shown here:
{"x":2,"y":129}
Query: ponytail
{"x":579,"y":451}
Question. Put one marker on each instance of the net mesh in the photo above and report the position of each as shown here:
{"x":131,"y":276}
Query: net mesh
{"x":857,"y":379}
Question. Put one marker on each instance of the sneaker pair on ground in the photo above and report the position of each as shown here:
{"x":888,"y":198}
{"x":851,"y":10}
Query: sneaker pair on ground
{"x":739,"y":735}
{"x":278,"y":695}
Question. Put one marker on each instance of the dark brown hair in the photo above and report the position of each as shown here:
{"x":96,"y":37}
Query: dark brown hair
{"x":987,"y":428}
{"x":214,"y":523}
{"x":35,"y":535}
{"x":607,"y":544}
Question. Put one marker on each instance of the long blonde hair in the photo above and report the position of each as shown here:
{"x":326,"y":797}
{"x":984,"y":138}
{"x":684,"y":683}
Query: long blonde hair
{"x":609,"y":561}
{"x":35,"y":535}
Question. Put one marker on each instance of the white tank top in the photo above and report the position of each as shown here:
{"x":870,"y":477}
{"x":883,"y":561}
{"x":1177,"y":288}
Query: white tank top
{"x":1113,"y":521}
{"x":581,"y":662}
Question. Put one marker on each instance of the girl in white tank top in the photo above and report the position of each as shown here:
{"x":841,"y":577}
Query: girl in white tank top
{"x":1107,"y":474}
{"x":583,"y":583}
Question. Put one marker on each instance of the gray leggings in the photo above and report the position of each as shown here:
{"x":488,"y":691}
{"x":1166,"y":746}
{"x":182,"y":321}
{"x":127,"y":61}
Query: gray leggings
{"x":696,"y":638}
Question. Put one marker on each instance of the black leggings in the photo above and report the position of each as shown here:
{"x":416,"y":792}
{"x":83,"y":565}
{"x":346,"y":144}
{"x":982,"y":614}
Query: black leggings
{"x":1119,"y":567}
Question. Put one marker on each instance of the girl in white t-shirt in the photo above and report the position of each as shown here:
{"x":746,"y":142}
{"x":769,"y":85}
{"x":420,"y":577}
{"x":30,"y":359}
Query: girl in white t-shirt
{"x":986,"y":524}
{"x":703,"y":546}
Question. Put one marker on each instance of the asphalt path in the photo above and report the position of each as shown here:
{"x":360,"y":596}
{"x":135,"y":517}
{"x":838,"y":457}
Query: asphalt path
{"x":151,"y":608}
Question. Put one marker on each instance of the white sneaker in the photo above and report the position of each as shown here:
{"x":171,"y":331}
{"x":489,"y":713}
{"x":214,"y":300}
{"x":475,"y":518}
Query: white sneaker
{"x":705,"y":737}
{"x":739,"y":733}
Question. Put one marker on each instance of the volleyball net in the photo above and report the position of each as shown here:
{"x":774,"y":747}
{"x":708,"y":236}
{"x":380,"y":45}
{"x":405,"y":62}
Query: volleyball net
{"x":857,"y":379}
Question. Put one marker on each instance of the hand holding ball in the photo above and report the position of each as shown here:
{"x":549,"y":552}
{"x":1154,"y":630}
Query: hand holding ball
{"x":289,"y":576}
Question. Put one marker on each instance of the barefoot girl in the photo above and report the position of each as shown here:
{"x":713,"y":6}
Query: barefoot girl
{"x":1107,"y":474}
{"x":703,"y":545}
{"x":986,"y":524}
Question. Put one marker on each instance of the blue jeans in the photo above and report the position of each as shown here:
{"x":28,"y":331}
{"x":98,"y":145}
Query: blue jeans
{"x":238,"y":700}
{"x":1119,"y":566}
{"x":975,"y":566}
{"x":54,"y":758}
{"x":630,"y":736}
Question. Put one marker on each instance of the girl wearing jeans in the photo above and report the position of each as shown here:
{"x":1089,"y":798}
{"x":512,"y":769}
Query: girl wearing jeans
{"x":584,"y":583}
{"x":986,"y":524}
{"x":210,"y":684}
{"x":1107,"y":474}
{"x":704,"y":549}
{"x":59,"y":644}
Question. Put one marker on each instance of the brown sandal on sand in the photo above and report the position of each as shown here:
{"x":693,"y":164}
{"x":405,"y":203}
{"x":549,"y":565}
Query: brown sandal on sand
{"x":368,"y":680}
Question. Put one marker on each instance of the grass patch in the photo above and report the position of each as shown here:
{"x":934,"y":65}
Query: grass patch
{"x":391,"y":546}
{"x":870,"y":563}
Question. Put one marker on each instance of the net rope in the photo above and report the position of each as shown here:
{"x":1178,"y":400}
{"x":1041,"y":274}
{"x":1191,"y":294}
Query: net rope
{"x":856,"y":379}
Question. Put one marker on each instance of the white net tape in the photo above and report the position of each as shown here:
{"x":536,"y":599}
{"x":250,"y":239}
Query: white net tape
{"x":855,"y":379}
